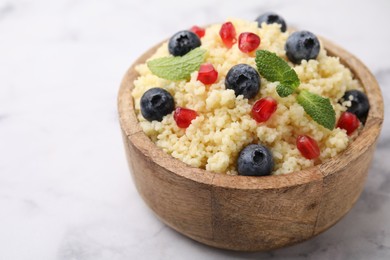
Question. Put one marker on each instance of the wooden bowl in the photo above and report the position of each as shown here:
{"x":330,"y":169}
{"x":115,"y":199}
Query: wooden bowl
{"x":250,"y":213}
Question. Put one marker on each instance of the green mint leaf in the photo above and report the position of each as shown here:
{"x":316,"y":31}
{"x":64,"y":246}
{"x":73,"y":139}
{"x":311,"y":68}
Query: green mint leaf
{"x":318,"y":108}
{"x":179,"y":67}
{"x":283,"y":90}
{"x":274,"y":68}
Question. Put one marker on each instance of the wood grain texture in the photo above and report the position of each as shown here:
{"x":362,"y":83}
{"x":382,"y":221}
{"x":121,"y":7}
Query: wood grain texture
{"x":250,"y":213}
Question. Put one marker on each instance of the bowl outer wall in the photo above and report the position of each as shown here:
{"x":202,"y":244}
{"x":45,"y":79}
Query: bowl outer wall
{"x":250,"y":213}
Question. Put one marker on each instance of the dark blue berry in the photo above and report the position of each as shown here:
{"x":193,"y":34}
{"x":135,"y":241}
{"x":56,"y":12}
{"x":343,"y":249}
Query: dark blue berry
{"x":255,"y":160}
{"x":244,"y":80}
{"x":271,"y":17}
{"x":156,"y":103}
{"x":183,"y":42}
{"x":359,"y":104}
{"x":302,"y":45}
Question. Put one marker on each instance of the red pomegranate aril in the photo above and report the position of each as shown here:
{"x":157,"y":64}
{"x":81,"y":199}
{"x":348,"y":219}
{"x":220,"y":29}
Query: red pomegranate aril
{"x":248,"y":42}
{"x":263,"y":109}
{"x":207,"y":74}
{"x":198,"y":31}
{"x":308,"y":147}
{"x":228,"y":34}
{"x":184,"y":116}
{"x":349,"y":122}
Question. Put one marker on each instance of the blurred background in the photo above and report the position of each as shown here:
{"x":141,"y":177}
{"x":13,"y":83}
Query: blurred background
{"x":65,"y":189}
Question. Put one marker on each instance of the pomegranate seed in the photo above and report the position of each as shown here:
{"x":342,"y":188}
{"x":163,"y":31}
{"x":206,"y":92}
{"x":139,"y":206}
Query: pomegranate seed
{"x":228,"y":34}
{"x":184,"y":116}
{"x":308,"y":147}
{"x":349,"y":122}
{"x":248,"y":42}
{"x":207,"y":74}
{"x":198,"y":31}
{"x":263,"y":109}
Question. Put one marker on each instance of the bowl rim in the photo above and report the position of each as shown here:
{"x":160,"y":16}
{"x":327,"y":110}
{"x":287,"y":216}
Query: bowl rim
{"x":367,"y":137}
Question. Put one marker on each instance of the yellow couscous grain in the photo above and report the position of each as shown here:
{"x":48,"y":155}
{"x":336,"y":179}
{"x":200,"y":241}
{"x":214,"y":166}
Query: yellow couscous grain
{"x":224,"y":125}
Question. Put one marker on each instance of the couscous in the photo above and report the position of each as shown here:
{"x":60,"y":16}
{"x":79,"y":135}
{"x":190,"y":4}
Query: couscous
{"x":222,"y":123}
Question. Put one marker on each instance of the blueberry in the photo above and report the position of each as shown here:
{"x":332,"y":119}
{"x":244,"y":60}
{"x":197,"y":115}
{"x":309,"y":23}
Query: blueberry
{"x":360,"y":104}
{"x":255,"y":160}
{"x":182,"y":42}
{"x":302,"y":45}
{"x":244,"y":80}
{"x":271,"y":17}
{"x":156,"y":103}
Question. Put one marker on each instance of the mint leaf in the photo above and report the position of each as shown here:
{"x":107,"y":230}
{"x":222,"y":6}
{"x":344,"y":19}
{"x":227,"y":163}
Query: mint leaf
{"x":179,"y":67}
{"x":283,"y":90}
{"x":318,"y":108}
{"x":274,"y":68}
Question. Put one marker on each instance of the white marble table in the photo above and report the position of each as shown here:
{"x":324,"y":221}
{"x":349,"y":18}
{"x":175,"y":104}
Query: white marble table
{"x":65,"y":190}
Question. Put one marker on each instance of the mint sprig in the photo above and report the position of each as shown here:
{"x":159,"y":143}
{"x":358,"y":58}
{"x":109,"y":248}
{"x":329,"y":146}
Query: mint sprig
{"x":274,"y":68}
{"x":179,"y":67}
{"x":318,"y":108}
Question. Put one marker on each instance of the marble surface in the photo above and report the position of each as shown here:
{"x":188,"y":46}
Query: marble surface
{"x":65,"y":190}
